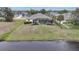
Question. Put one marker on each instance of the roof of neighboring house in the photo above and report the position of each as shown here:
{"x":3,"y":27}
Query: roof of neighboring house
{"x":39,"y":15}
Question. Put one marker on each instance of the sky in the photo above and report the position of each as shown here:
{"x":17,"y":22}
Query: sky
{"x":39,"y":8}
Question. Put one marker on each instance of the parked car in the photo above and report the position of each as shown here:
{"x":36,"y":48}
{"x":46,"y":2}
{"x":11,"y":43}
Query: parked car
{"x":28,"y":21}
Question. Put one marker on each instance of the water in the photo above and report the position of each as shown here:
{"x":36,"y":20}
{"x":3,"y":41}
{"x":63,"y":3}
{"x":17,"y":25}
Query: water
{"x":39,"y":46}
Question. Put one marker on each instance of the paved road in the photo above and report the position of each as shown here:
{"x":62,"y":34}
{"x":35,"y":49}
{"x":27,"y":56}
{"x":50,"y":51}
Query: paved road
{"x":39,"y":46}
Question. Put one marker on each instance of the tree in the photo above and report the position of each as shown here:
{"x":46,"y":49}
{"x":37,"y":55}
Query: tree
{"x":63,"y":11}
{"x":54,"y":17}
{"x":60,"y":18}
{"x":1,"y":12}
{"x":7,"y":14}
{"x":33,"y":11}
{"x":43,"y":11}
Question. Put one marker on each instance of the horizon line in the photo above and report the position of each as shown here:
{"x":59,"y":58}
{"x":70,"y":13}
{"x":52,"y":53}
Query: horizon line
{"x":39,"y":8}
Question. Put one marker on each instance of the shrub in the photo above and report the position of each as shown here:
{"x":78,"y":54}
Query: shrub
{"x":60,"y":18}
{"x":27,"y":22}
{"x":7,"y":14}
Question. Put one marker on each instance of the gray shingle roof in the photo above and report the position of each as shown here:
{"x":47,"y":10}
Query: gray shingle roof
{"x":39,"y":15}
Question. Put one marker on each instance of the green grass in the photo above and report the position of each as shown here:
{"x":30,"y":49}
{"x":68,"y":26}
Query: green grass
{"x":5,"y":35}
{"x":27,"y":32}
{"x":43,"y":32}
{"x":72,"y":26}
{"x":40,"y":32}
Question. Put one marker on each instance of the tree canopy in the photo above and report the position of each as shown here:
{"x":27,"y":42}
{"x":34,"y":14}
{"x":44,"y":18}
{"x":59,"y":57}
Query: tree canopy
{"x":43,"y":11}
{"x":33,"y":11}
{"x":60,"y":17}
{"x":63,"y":11}
{"x":7,"y":14}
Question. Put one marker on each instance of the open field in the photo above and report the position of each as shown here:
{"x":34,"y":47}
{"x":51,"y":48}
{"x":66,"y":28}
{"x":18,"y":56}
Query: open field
{"x":18,"y":31}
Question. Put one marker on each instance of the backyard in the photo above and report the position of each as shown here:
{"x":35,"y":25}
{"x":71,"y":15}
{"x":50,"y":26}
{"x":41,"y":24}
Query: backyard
{"x":18,"y":31}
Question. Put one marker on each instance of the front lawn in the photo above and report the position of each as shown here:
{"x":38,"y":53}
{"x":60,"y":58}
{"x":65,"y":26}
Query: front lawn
{"x":8,"y":27}
{"x":34,"y":32}
{"x":18,"y":31}
{"x":43,"y":32}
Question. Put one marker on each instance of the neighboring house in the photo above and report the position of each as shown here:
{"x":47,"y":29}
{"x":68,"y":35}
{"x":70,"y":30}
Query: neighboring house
{"x":68,"y":16}
{"x":76,"y":18}
{"x":51,"y":14}
{"x":41,"y":19}
{"x":21,"y":14}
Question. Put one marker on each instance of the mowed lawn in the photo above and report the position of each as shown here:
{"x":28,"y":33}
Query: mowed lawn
{"x":18,"y":31}
{"x":5,"y":27}
{"x":34,"y":32}
{"x":43,"y":32}
{"x":8,"y":27}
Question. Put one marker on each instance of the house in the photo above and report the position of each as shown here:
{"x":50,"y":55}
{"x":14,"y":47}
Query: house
{"x":51,"y":14}
{"x":68,"y":16}
{"x":20,"y":15}
{"x":54,"y":14}
{"x":40,"y":18}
